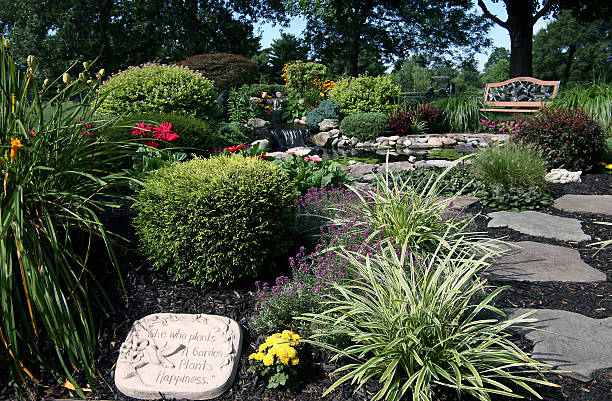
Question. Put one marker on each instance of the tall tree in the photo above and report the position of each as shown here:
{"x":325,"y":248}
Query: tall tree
{"x":126,"y":32}
{"x":499,"y":53}
{"x":573,"y":51}
{"x":392,"y":28}
{"x":522,"y":16}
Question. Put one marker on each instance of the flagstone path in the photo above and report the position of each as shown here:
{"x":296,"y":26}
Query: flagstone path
{"x":566,"y":340}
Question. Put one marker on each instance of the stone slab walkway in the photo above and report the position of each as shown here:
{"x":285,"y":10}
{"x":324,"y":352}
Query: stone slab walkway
{"x":570,"y":341}
{"x":600,"y":204}
{"x":534,"y":261}
{"x":540,"y":225}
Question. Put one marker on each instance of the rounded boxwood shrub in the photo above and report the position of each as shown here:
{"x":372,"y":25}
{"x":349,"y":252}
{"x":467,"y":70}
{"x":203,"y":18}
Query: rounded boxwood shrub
{"x":226,"y":70}
{"x":366,"y":94}
{"x":159,"y":88}
{"x":326,"y":109}
{"x":215,"y":220}
{"x":193,"y":132}
{"x":569,"y":138}
{"x":365,"y":126}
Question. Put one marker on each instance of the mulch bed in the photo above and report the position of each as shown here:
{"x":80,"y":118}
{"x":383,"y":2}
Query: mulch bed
{"x":152,"y":292}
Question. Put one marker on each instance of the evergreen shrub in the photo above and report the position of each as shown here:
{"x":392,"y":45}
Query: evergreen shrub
{"x":215,"y":220}
{"x":569,"y":138}
{"x":158,"y":88}
{"x":365,"y":126}
{"x":366,"y":94}
{"x":326,"y":109}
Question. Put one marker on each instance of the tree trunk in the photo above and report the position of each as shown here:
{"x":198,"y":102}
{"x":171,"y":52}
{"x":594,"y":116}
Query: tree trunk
{"x":353,"y":54}
{"x":520,"y":27}
{"x":568,"y":65}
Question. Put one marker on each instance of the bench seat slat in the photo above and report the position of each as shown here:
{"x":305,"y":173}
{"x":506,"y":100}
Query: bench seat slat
{"x":511,"y":110}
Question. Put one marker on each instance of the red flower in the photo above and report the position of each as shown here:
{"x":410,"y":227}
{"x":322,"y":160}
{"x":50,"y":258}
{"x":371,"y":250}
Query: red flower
{"x":171,"y":137}
{"x":32,"y":132}
{"x":141,"y":129}
{"x":152,"y":144}
{"x":163,"y":132}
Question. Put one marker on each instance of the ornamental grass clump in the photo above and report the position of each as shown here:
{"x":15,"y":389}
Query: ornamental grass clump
{"x":412,"y":212}
{"x":215,"y":220}
{"x":421,"y":326}
{"x":511,"y":166}
{"x":58,"y":176}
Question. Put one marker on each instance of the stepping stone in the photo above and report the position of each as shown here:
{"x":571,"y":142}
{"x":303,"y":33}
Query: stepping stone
{"x":570,"y":341}
{"x":534,"y":261}
{"x":463,"y":201}
{"x":540,"y":225}
{"x":601,"y":204}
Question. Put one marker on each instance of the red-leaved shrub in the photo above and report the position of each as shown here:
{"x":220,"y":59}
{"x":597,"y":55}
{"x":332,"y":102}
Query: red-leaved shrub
{"x":225,"y":70}
{"x":569,"y":138}
{"x":400,"y":123}
{"x":432,"y":115}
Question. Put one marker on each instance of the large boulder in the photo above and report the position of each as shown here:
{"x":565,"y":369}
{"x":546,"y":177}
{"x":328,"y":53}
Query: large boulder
{"x":322,"y":139}
{"x":329,"y":124}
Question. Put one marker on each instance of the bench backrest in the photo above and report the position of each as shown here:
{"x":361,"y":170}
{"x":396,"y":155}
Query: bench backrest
{"x":520,"y":92}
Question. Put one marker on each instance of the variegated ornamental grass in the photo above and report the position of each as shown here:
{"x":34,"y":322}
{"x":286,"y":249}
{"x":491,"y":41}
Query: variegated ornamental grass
{"x":420,"y":325}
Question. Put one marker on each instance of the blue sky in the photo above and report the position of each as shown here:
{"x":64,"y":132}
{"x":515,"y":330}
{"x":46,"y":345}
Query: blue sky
{"x":498,"y":34}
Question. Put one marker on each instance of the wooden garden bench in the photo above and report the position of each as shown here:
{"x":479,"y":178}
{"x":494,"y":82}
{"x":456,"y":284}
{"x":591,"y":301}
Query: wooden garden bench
{"x":519,"y":95}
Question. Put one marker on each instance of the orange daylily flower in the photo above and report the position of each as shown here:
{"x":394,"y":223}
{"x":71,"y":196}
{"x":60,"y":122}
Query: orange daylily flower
{"x":15,"y":145}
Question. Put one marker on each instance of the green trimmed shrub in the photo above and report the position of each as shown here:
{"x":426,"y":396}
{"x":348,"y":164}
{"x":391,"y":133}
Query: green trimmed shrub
{"x":326,"y":109}
{"x":366,"y":94}
{"x":569,"y":138}
{"x":365,"y":126}
{"x":159,"y":88}
{"x":226,"y":70}
{"x":193,"y":132}
{"x":215,"y":220}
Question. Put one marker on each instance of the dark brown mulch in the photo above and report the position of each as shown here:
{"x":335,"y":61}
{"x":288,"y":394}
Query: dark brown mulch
{"x":151,"y":292}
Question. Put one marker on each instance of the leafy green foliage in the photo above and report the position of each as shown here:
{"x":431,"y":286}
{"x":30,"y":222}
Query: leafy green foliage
{"x":57,"y":180}
{"x":302,"y":76}
{"x":258,"y":89}
{"x":569,"y":138}
{"x":148,"y":159}
{"x":511,"y":166}
{"x":412,"y":77}
{"x":456,"y":181}
{"x":293,"y":108}
{"x":215,"y":220}
{"x":239,"y":106}
{"x":366,"y":94}
{"x":226,"y":71}
{"x":229,"y":134}
{"x":461,"y":113}
{"x":307,"y":174}
{"x":594,"y":98}
{"x":326,"y":109}
{"x":415,"y":322}
{"x":195,"y":135}
{"x":503,"y":197}
{"x":365,"y":126}
{"x":155,"y":88}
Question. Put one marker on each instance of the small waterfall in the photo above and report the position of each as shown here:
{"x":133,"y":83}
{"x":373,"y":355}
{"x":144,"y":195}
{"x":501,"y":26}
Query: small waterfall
{"x":276,"y":114}
{"x":291,"y":138}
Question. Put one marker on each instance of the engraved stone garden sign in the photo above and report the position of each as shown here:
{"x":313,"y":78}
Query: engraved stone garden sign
{"x":179,"y":356}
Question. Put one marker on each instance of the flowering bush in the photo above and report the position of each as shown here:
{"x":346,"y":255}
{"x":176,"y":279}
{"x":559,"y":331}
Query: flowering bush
{"x":277,"y":359}
{"x":501,"y":127}
{"x":569,"y":138}
{"x":226,"y":70}
{"x":431,"y":115}
{"x":300,"y":76}
{"x":158,"y":88}
{"x":161,"y":132}
{"x":405,"y":123}
{"x":365,"y":94}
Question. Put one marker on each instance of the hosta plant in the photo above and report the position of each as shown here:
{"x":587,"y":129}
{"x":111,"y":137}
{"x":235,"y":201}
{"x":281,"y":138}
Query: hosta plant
{"x":419,"y":325}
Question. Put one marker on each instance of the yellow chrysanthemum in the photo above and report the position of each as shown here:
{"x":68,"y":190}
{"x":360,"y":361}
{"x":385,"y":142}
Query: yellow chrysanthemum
{"x":292,"y":352}
{"x":295,"y":361}
{"x":268,"y":360}
{"x":262,"y":347}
